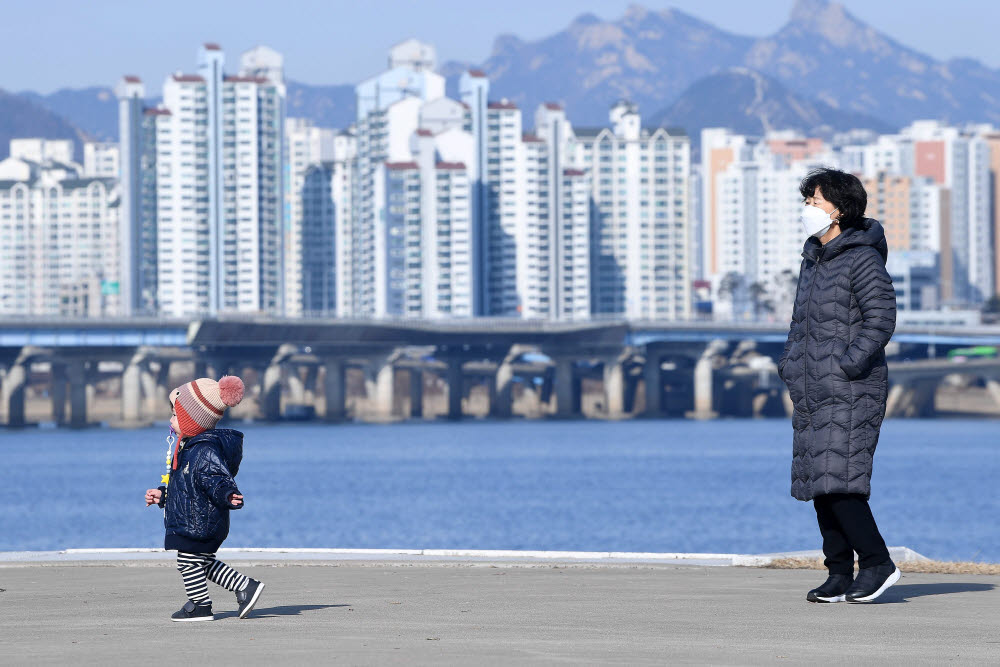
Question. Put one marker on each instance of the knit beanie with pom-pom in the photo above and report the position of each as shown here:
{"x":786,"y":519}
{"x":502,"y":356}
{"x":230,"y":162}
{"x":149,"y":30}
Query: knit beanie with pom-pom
{"x":199,"y":404}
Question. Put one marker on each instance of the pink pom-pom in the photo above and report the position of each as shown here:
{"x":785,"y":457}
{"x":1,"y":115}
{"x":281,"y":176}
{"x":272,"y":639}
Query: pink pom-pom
{"x":231,"y":390}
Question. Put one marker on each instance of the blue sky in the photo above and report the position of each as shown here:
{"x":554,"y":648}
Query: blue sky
{"x":94,"y":42}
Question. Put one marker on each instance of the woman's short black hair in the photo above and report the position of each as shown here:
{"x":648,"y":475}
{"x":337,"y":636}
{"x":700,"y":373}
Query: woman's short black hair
{"x":841,"y":189}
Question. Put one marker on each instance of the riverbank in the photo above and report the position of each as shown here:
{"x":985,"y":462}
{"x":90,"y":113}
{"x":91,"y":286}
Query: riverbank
{"x":419,"y":612}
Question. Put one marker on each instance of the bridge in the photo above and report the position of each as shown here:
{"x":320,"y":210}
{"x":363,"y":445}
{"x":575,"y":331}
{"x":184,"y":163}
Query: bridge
{"x":381,"y":369}
{"x":157,"y":332}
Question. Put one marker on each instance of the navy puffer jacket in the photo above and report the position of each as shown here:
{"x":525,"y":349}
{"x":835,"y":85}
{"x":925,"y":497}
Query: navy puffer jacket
{"x":834,"y":361}
{"x":196,"y":502}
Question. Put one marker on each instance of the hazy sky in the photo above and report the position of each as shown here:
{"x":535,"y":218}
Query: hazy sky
{"x":51,"y":44}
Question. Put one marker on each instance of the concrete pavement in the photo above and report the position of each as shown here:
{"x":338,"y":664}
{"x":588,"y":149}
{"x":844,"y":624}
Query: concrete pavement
{"x":406,"y":612}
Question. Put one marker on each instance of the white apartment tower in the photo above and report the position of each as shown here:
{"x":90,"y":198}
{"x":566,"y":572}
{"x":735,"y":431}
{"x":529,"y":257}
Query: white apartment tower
{"x":58,"y":235}
{"x":219,"y":199}
{"x":960,"y":161}
{"x":306,"y":147}
{"x":408,"y":250}
{"x":137,"y":177}
{"x":101,"y":159}
{"x":641,"y":220}
{"x":558,"y":239}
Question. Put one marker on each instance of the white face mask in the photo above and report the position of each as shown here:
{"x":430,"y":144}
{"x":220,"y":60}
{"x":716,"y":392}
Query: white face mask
{"x":815,"y":220}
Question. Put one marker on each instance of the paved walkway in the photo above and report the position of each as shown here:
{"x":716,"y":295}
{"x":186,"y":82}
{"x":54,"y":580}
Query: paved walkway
{"x":400,"y":612}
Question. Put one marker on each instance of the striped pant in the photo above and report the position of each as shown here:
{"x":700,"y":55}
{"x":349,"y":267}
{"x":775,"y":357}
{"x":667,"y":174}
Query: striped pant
{"x":197,"y":568}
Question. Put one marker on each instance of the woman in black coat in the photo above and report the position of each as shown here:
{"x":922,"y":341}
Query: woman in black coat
{"x":835,"y":370}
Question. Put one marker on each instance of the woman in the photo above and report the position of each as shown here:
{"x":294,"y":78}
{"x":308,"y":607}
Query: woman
{"x":835,"y":370}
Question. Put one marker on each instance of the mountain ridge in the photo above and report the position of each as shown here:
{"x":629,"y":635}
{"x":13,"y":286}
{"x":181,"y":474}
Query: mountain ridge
{"x":827,"y":61}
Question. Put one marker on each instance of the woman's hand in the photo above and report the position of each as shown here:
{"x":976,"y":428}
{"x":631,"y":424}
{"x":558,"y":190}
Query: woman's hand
{"x":153,"y":497}
{"x":236,"y":500}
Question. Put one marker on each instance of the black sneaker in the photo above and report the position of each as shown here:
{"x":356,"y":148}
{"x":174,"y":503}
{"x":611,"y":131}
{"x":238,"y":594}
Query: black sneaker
{"x":832,"y":590}
{"x":247,"y":598}
{"x":872,"y":582}
{"x":193,"y":612}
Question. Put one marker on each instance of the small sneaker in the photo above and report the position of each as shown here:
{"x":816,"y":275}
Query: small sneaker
{"x":247,"y":598}
{"x":193,"y":612}
{"x":872,"y":582}
{"x":832,"y":590}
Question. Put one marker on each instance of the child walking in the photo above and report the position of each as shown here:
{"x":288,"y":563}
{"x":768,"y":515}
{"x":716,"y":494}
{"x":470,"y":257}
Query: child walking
{"x":199,"y":491}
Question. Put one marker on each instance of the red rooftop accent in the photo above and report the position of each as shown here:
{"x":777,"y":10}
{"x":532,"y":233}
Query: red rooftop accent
{"x":212,"y":46}
{"x":478,"y":73}
{"x":401,"y":165}
{"x":503,"y":104}
{"x":553,"y":106}
{"x":450,"y":165}
{"x":424,"y":133}
{"x":132,"y":78}
{"x":531,"y":138}
{"x":154,"y":111}
{"x":189,"y":78}
{"x":245,"y":79}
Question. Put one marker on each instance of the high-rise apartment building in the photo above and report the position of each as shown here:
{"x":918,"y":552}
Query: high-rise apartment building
{"x":750,"y":207}
{"x":101,"y":159}
{"x":959,"y":160}
{"x":307,"y":149}
{"x":58,"y":234}
{"x":640,"y":260}
{"x":909,"y":208}
{"x":407,"y":250}
{"x":212,"y":154}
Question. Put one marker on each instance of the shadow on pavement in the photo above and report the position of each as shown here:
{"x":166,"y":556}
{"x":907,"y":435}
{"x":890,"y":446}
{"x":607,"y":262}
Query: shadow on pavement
{"x":904,"y":592}
{"x":273,"y":612}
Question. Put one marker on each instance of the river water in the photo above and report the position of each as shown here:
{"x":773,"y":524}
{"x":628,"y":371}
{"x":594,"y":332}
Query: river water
{"x":679,"y":486}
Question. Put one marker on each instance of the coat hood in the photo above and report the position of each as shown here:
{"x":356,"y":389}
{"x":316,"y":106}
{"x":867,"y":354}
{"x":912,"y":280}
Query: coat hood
{"x":229,"y":442}
{"x":868,"y":232}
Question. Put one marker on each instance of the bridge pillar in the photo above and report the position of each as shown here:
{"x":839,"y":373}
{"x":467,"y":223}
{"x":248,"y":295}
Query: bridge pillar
{"x":614,"y":387}
{"x":58,"y":393}
{"x":993,"y":388}
{"x":566,"y":388}
{"x":296,"y":387}
{"x":312,"y":372}
{"x":154,"y":387}
{"x":333,"y":389}
{"x":131,"y":392}
{"x":416,"y":392}
{"x":15,"y":384}
{"x":270,"y":384}
{"x":502,"y":396}
{"x":654,"y":384}
{"x":79,"y":393}
{"x":270,"y":392}
{"x":912,"y":399}
{"x":456,"y":388}
{"x":703,"y":405}
{"x":631,"y":389}
{"x":380,"y":385}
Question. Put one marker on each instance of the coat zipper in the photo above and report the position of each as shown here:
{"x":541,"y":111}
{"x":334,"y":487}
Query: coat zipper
{"x":805,"y":354}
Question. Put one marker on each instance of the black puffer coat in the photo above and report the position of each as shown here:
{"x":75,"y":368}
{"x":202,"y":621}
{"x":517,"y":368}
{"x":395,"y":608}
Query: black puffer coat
{"x":196,"y":499}
{"x":834,"y":361}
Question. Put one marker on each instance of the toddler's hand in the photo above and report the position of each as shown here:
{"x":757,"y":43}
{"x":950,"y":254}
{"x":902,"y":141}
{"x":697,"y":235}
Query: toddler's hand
{"x":153,"y":497}
{"x":235,"y":499}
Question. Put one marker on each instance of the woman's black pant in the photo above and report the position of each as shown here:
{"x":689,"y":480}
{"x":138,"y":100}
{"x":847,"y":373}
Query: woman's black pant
{"x":847,"y":525}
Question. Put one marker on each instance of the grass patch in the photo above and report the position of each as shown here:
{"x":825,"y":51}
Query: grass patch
{"x":920,"y":566}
